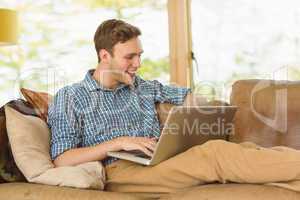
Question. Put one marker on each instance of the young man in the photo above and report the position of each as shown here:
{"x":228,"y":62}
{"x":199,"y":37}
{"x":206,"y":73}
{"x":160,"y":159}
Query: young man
{"x":111,"y":104}
{"x":113,"y":109}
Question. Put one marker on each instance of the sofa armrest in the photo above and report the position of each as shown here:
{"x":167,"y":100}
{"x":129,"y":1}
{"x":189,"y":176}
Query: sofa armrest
{"x":218,"y":103}
{"x":163,"y":109}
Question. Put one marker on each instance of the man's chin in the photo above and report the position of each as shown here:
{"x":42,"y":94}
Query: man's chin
{"x":128,"y":80}
{"x":131,"y":80}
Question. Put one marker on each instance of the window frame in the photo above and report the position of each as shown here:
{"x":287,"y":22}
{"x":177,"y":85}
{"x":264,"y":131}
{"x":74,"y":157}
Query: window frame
{"x":180,"y":42}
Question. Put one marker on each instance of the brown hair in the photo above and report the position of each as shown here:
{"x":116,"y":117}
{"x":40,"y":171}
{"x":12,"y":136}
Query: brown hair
{"x":112,"y":31}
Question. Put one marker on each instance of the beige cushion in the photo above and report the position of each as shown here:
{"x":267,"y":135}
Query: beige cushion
{"x":30,"y":142}
{"x":28,"y":191}
{"x":235,"y":192}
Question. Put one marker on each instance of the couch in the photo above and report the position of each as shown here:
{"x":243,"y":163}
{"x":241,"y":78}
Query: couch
{"x":268,"y":114}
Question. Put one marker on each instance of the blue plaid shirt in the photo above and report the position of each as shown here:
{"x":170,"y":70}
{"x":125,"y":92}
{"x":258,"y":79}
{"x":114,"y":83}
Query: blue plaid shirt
{"x":86,"y":114}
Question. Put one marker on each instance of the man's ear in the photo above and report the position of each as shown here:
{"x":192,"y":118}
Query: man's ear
{"x":104,"y":55}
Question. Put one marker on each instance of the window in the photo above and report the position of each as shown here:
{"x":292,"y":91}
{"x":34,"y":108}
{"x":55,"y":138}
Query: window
{"x":56,"y":42}
{"x":245,"y":39}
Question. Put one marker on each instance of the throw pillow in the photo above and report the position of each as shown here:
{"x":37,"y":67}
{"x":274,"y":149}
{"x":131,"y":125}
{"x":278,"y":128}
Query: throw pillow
{"x":39,"y":100}
{"x":30,"y":143}
{"x":9,"y":172}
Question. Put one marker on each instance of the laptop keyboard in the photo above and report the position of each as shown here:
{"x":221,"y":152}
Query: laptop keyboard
{"x":138,"y":153}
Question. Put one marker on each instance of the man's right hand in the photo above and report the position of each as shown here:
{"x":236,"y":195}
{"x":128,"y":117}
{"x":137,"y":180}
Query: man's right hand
{"x":144,"y":144}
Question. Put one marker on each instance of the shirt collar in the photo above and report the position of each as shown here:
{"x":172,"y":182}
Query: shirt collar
{"x":91,"y":84}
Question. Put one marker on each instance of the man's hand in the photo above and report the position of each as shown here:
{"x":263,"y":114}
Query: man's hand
{"x":99,"y":152}
{"x":144,"y":144}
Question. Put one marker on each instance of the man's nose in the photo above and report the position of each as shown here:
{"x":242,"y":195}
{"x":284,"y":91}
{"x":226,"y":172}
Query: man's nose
{"x":136,"y":62}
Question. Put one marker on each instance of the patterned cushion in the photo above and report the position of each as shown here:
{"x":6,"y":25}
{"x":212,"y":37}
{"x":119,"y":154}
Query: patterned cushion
{"x":39,"y":100}
{"x":9,"y":172}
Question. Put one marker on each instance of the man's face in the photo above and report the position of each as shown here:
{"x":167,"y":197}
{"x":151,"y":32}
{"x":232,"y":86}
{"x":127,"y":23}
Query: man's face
{"x":126,"y":60}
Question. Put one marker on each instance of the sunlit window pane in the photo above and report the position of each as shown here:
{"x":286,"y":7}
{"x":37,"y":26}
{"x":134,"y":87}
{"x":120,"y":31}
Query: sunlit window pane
{"x":56,"y":41}
{"x":243,"y":39}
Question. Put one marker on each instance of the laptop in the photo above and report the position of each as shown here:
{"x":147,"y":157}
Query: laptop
{"x":184,"y":128}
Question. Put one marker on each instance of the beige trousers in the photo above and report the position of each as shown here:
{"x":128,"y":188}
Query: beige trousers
{"x":214,"y":161}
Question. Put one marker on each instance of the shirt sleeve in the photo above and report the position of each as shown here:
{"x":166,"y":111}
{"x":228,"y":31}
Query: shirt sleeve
{"x":169,"y":94}
{"x":63,"y":123}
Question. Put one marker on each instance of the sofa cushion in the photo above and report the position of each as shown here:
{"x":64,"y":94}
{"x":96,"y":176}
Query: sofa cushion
{"x":39,"y":100}
{"x":268,"y":112}
{"x":29,"y":191}
{"x":234,"y":192}
{"x":9,"y":171}
{"x":30,"y":143}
